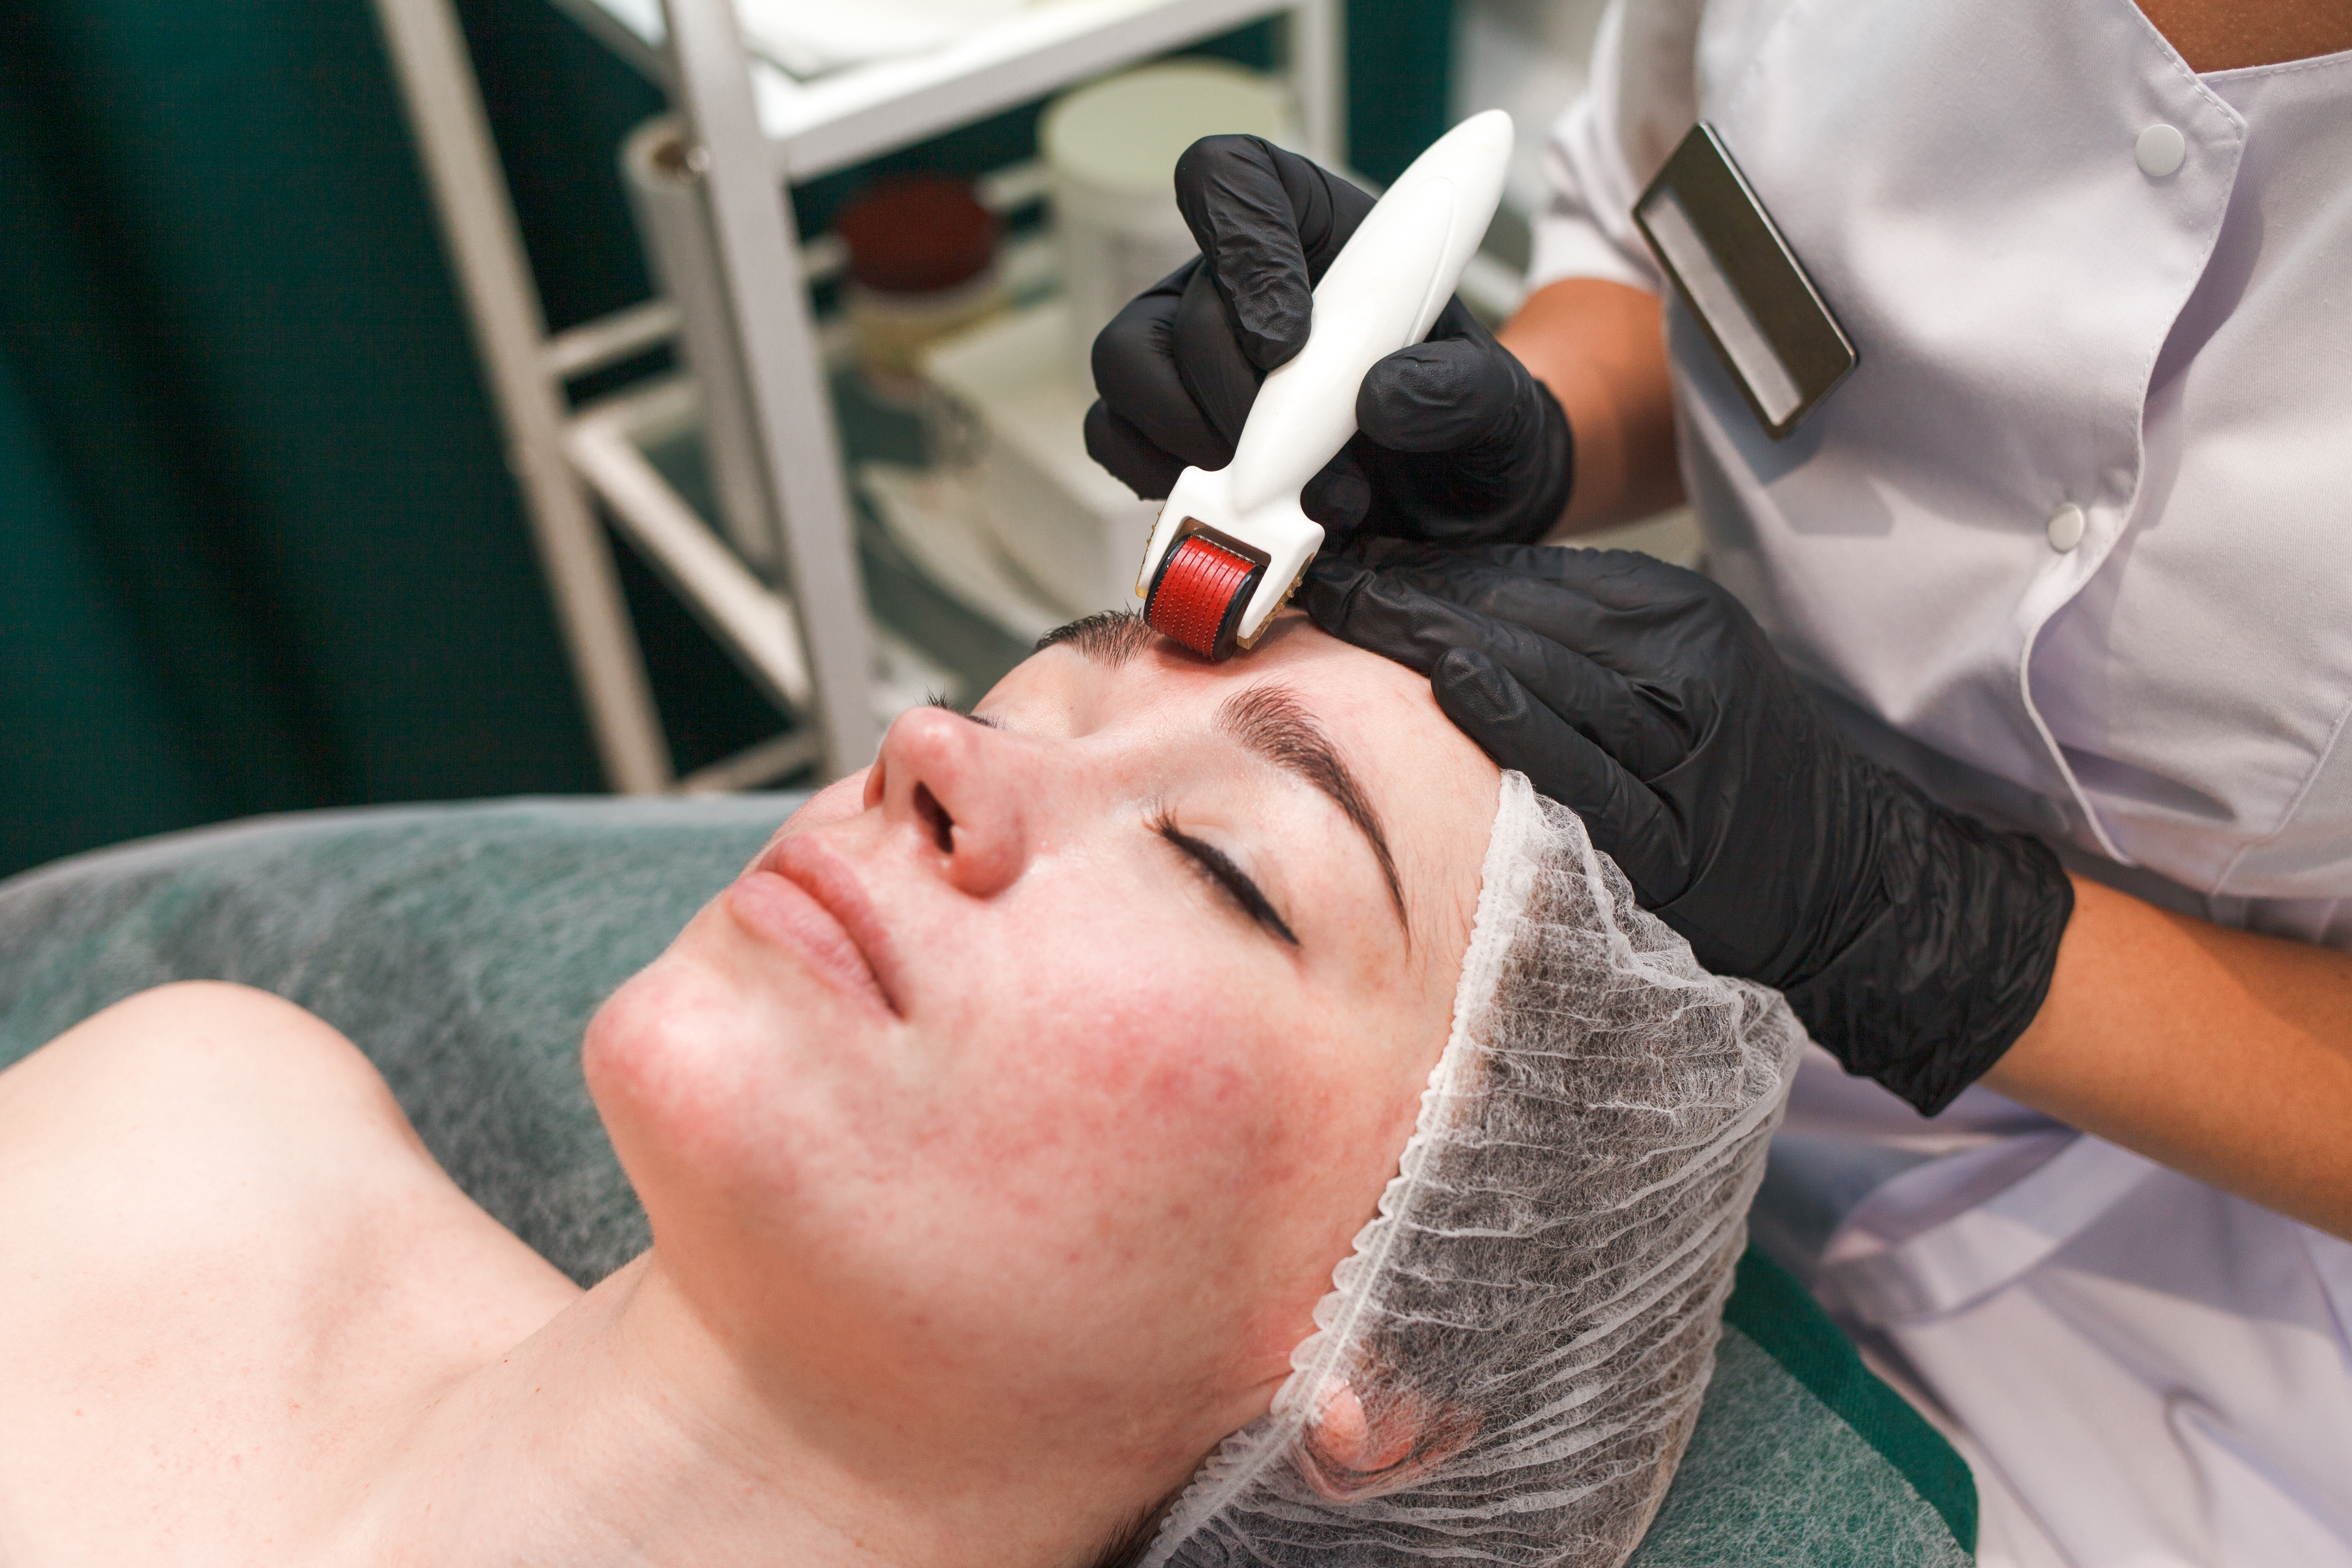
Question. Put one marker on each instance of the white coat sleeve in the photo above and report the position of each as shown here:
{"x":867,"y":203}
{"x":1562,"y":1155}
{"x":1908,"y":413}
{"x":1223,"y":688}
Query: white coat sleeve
{"x":1640,"y":99}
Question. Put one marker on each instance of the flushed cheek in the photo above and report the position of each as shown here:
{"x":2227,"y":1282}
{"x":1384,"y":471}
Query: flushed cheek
{"x":1143,"y":1081}
{"x":1156,"y":1119}
{"x":1110,"y":1199}
{"x":1081,"y":990}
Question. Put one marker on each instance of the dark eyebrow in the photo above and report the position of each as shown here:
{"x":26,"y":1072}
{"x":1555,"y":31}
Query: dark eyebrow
{"x":1110,"y":637}
{"x":1271,"y":721}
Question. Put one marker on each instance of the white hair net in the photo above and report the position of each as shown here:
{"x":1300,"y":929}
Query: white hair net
{"x":1509,"y":1364}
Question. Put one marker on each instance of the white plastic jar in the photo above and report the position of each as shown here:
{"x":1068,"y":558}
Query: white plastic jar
{"x":1110,"y":151}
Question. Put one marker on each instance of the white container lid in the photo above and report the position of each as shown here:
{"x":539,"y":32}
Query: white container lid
{"x":1124,"y":134}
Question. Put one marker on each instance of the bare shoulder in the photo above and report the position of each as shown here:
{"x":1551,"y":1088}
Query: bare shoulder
{"x":226,"y":1249}
{"x":161,"y":1063}
{"x":204,"y":1129}
{"x":201,"y":1126}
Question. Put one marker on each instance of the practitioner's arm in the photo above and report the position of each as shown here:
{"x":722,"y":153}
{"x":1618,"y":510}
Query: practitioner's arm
{"x":2217,"y":1052}
{"x":1601,"y":348}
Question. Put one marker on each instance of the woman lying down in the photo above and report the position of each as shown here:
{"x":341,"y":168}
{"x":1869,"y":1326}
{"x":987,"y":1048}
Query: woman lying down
{"x":1178,"y":1114}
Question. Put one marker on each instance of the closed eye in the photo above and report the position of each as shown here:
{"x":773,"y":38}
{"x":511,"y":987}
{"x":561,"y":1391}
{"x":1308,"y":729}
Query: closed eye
{"x":937,"y":699}
{"x":1211,"y":862}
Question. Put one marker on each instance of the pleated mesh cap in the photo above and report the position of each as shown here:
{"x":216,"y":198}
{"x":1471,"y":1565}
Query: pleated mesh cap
{"x":1509,"y":1362}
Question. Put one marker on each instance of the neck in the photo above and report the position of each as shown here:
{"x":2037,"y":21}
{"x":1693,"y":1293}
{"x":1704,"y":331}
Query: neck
{"x":624,"y":1432}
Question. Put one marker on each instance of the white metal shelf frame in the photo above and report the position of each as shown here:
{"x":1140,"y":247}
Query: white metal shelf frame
{"x":755,"y":133}
{"x":845,"y":117}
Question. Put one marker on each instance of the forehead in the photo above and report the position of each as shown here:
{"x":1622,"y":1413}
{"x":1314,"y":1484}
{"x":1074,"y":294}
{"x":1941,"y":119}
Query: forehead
{"x":1115,"y":667}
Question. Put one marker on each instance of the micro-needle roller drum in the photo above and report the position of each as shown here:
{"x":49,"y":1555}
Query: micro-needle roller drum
{"x":1232,"y":543}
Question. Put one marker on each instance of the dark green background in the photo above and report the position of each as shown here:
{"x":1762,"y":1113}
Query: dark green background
{"x":259,"y":550}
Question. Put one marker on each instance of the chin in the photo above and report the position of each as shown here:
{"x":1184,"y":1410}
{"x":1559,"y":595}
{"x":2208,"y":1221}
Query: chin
{"x":718,"y":1070}
{"x":678,"y":1050}
{"x":638,"y":1052}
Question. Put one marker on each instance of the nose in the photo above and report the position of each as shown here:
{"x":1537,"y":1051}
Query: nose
{"x":956,"y":789}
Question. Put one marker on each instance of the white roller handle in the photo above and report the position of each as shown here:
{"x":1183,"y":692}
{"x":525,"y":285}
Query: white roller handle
{"x":1380,"y":294}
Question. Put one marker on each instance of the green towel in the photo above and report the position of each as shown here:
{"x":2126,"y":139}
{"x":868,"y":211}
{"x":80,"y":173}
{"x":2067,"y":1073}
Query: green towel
{"x":464,"y":949}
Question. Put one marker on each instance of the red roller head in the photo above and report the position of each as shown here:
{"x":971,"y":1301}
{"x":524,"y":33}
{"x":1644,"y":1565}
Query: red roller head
{"x":1199,"y":594}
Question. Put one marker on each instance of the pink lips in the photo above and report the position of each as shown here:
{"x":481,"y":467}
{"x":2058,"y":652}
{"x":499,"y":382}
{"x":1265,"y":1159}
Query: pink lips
{"x":799,"y":897}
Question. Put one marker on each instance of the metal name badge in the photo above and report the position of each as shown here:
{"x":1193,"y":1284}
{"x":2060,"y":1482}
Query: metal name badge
{"x":1738,"y":276}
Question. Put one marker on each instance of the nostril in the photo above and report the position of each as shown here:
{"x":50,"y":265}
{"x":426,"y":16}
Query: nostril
{"x":942,"y":826}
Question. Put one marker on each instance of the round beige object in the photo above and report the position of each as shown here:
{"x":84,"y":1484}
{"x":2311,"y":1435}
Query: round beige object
{"x":1125,"y":133}
{"x":1110,"y":151}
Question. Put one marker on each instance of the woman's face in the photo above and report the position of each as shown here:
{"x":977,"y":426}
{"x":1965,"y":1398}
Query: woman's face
{"x":1038,"y":1077}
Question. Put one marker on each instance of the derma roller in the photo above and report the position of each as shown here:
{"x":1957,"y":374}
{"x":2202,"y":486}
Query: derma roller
{"x":1231,"y":544}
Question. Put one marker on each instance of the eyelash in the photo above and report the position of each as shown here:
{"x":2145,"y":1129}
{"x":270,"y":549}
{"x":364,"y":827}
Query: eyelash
{"x":1211,"y":863}
{"x":986,"y":721}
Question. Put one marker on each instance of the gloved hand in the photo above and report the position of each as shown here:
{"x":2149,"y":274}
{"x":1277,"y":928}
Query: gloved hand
{"x":1916,"y":943}
{"x":1456,"y":441}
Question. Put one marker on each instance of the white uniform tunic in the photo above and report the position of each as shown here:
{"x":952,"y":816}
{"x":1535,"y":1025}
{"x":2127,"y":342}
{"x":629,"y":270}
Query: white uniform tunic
{"x":2072,"y":546}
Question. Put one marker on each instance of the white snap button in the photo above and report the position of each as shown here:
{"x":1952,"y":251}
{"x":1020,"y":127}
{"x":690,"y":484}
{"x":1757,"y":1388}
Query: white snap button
{"x":2066,"y":527}
{"x":2159,"y":149}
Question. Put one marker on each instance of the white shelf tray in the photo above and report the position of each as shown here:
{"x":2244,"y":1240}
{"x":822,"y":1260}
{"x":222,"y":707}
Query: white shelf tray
{"x":847,"y":116}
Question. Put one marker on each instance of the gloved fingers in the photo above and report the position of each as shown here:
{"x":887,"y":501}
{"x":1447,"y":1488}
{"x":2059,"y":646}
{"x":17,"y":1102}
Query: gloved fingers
{"x":1129,"y":454}
{"x":1374,"y":610}
{"x":1444,"y":396}
{"x":1627,"y":821}
{"x":1560,"y":612}
{"x":1387,"y":613}
{"x":1519,"y":585}
{"x":1655,"y":627}
{"x":1216,"y":375}
{"x":1622,"y":579}
{"x":1457,"y":324}
{"x":1388,"y":551}
{"x":1338,"y":497}
{"x":1329,"y":209}
{"x":1457,"y":320}
{"x":1135,"y":371}
{"x":1268,"y":222}
{"x":1622,"y":719}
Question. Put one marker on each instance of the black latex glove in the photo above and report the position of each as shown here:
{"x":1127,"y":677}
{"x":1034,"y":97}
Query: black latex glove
{"x":1916,"y":943}
{"x":1456,"y":441}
